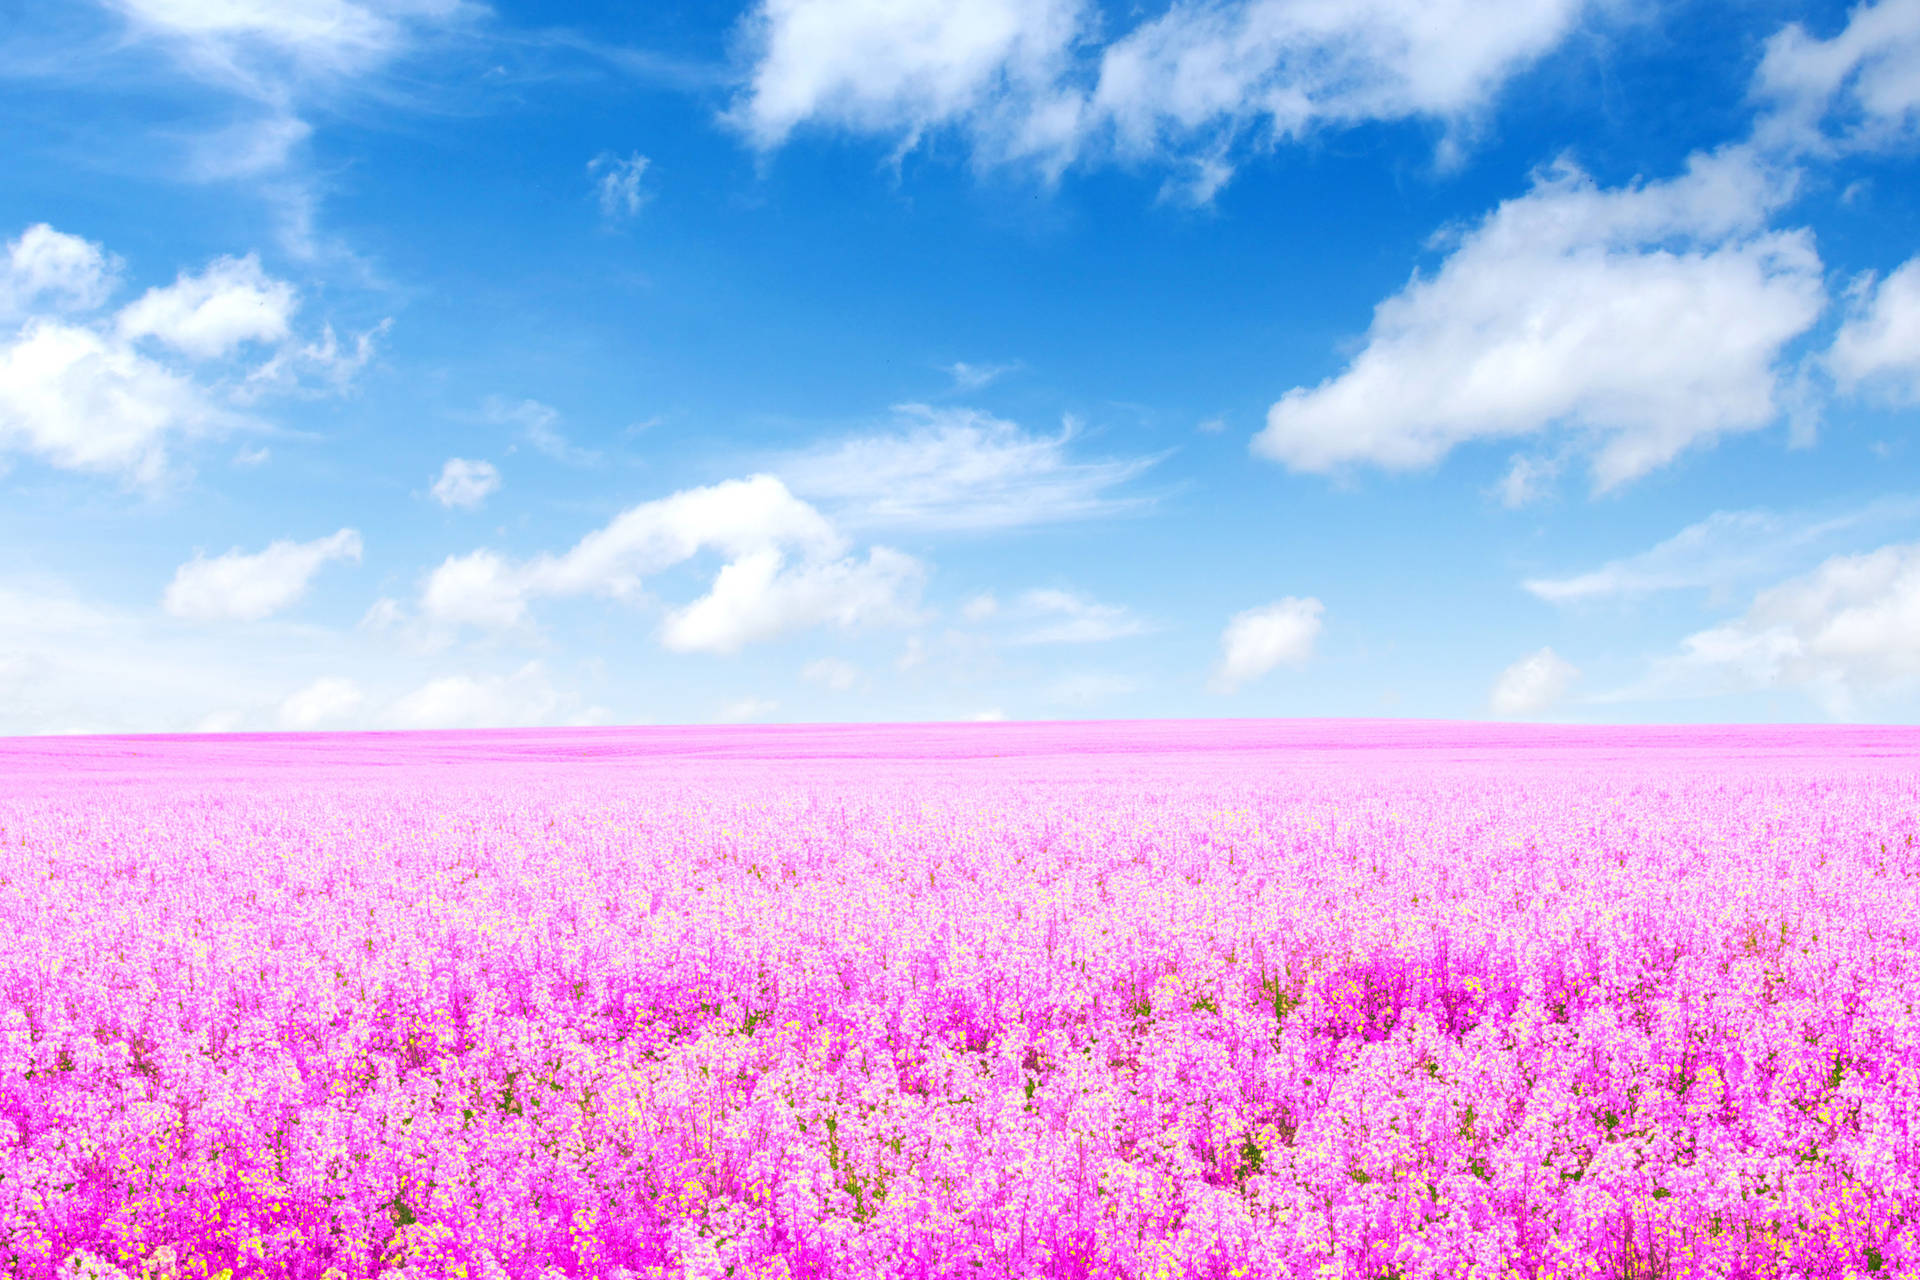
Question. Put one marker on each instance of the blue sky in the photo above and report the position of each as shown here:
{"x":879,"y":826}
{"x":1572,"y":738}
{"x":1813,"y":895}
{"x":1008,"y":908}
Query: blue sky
{"x":437,"y":364}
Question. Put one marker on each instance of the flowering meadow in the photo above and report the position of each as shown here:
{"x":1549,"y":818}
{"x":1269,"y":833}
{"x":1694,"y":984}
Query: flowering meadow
{"x":1241,"y":999}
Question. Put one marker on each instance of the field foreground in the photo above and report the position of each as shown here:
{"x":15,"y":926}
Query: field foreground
{"x":1241,"y":999}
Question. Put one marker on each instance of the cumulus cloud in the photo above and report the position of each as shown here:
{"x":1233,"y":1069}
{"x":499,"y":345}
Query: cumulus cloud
{"x":1858,"y":90}
{"x":89,"y":391}
{"x":1283,"y":67}
{"x":617,"y":183}
{"x":1258,"y":640}
{"x":1034,"y":80}
{"x":961,"y":469}
{"x":759,"y":596}
{"x":785,"y":568}
{"x":1879,"y":343}
{"x":1651,"y":317}
{"x":901,"y":69}
{"x":247,"y":587}
{"x":1843,"y":634}
{"x":51,"y":270}
{"x":1532,"y":685}
{"x":479,"y":589}
{"x":465,"y":483}
{"x":831,"y":673}
{"x":81,"y":400}
{"x":210,"y":314}
{"x":327,"y":702}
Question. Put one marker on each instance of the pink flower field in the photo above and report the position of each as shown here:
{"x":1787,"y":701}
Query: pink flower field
{"x":1150,"y":1000}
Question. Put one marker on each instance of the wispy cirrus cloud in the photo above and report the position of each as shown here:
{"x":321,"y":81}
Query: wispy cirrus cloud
{"x":1052,"y":616}
{"x":539,"y":426}
{"x":1726,"y":550}
{"x":616,"y":184}
{"x":962,"y":469}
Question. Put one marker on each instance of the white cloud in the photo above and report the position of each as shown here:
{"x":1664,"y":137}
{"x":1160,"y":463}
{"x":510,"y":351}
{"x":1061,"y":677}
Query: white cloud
{"x":524,"y":697}
{"x":1527,"y":480}
{"x":70,"y":665}
{"x":1066,"y":617}
{"x":1858,"y":90}
{"x":250,"y":587}
{"x":465,"y":483}
{"x":1722,"y":551}
{"x":1258,"y":640}
{"x":1087,"y":688}
{"x":618,"y":183}
{"x":1650,"y":316}
{"x":479,"y":589}
{"x":831,"y":673}
{"x":991,"y":716}
{"x":1879,"y":344}
{"x":1033,"y":81}
{"x":761,"y":590}
{"x":86,"y":402}
{"x":48,"y":268}
{"x":960,"y":469}
{"x":256,"y":46}
{"x":210,"y":314}
{"x":741,"y":710}
{"x":1287,"y":66}
{"x":758,"y":597}
{"x":248,"y":148}
{"x":972,"y":377}
{"x":297,"y":365}
{"x":327,"y":701}
{"x":900,"y":68}
{"x":81,"y":393}
{"x":540,"y":426}
{"x":1532,"y":685}
{"x":980,"y":607}
{"x":1842,"y":633}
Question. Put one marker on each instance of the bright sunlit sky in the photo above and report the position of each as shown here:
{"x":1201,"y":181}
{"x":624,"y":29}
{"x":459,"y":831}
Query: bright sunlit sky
{"x":434,"y":363}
